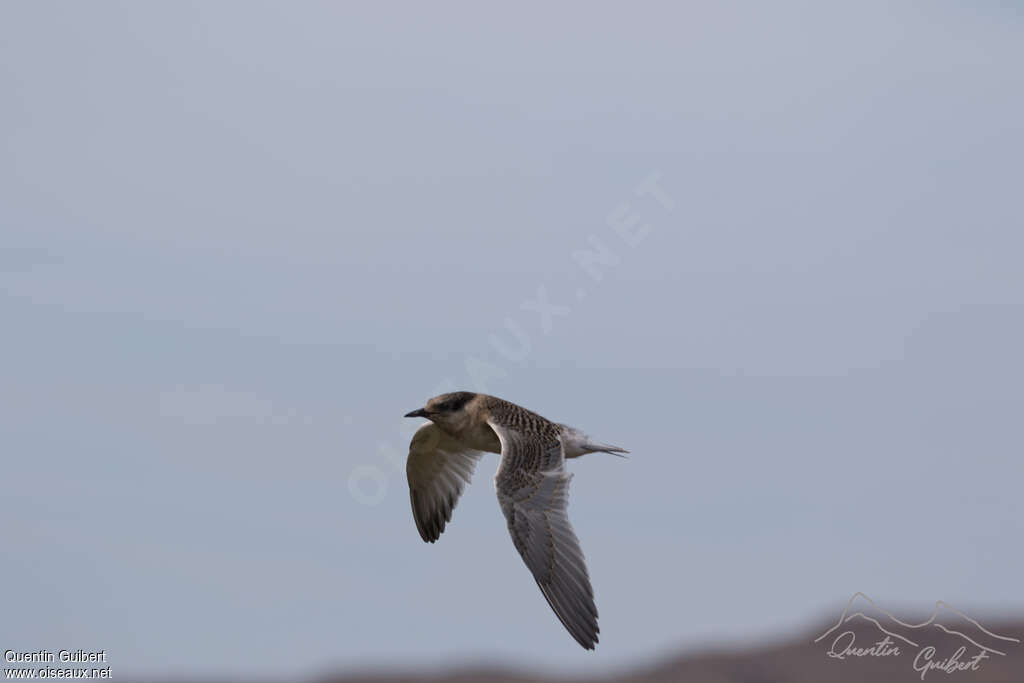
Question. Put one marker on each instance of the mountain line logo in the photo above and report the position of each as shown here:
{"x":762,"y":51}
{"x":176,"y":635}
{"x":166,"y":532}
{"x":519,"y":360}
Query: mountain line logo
{"x":948,"y":641}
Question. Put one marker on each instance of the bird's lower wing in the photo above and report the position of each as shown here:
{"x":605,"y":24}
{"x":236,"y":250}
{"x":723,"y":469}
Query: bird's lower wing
{"x":438,"y":469}
{"x":535,"y":503}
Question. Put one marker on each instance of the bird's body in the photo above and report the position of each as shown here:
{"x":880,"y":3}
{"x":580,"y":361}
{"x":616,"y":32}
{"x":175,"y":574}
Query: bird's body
{"x":531,"y":482}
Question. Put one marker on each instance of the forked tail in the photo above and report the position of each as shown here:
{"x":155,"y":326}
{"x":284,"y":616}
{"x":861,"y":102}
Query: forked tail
{"x":605,"y":448}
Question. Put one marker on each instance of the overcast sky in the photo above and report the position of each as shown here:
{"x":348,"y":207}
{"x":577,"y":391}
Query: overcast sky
{"x":240,"y":240}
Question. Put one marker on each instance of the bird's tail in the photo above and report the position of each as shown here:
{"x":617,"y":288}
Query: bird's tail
{"x":577,"y":443}
{"x":604,"y":448}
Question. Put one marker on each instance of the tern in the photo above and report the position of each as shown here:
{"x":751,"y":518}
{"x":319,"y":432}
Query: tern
{"x":532,"y":485}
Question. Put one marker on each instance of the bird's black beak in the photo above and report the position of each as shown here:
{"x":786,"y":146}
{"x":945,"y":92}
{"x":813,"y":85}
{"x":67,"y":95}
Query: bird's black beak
{"x":419,"y":412}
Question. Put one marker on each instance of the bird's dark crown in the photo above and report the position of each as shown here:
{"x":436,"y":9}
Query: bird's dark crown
{"x":450,"y":403}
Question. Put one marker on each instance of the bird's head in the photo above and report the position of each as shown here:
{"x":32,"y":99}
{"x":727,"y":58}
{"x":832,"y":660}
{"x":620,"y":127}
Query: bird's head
{"x":447,"y":411}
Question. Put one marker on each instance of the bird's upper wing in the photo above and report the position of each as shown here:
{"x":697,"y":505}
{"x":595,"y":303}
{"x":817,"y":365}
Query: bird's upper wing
{"x":533,"y":490}
{"x":438,"y":468}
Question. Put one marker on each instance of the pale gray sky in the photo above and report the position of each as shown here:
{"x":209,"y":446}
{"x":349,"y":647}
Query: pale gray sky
{"x":240,"y":240}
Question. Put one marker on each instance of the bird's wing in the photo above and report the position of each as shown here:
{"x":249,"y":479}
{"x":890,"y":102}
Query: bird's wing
{"x":533,"y":490}
{"x":438,"y":468}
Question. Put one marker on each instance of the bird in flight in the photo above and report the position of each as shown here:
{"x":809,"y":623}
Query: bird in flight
{"x":532,"y":485}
